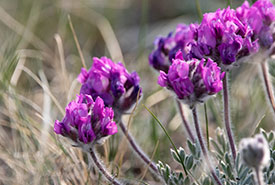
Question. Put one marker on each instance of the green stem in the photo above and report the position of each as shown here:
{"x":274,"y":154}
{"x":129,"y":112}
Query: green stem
{"x":228,"y":3}
{"x":166,"y":133}
{"x":198,"y":7}
{"x":174,"y":146}
{"x":206,"y":121}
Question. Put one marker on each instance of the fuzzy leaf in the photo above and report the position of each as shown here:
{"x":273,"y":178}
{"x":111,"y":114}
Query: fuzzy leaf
{"x":264,"y":133}
{"x":192,"y":147}
{"x":181,"y":153}
{"x":270,"y":137}
{"x":186,"y":181}
{"x":189,"y":162}
{"x":175,"y":156}
{"x":217,"y":148}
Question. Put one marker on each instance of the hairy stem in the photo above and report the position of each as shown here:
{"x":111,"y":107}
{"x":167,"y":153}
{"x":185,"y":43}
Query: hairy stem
{"x":137,"y":149}
{"x":268,"y":85}
{"x":203,"y":148}
{"x":185,"y":123}
{"x":227,"y":117}
{"x":102,"y":169}
{"x":259,"y":178}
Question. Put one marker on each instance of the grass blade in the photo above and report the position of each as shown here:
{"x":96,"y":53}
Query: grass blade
{"x":166,"y":133}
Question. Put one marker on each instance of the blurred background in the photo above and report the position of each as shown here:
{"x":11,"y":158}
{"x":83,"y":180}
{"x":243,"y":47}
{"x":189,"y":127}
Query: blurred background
{"x":39,"y":64}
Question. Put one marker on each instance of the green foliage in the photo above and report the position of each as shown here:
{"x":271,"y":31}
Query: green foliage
{"x":269,"y":171}
{"x":170,"y":177}
{"x":191,"y":161}
{"x":230,"y":172}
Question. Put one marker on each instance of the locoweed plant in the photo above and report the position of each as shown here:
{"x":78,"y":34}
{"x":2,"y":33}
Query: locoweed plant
{"x":193,"y":62}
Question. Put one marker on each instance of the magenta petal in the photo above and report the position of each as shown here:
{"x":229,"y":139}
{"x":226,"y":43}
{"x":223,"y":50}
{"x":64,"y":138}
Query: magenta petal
{"x":179,"y":55}
{"x":98,"y":108}
{"x":162,"y":80}
{"x":110,"y":128}
{"x":212,"y":77}
{"x":58,"y":127}
{"x":82,"y":77}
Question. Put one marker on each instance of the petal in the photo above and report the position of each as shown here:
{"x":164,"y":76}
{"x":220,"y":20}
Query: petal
{"x":163,"y":79}
{"x":58,"y":127}
{"x":110,"y":128}
{"x":98,"y":108}
{"x":82,"y":77}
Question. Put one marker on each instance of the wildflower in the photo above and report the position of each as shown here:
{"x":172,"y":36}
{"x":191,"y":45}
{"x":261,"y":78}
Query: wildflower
{"x":166,"y":47}
{"x":192,"y":81}
{"x":223,"y":38}
{"x":260,"y":17}
{"x":86,"y":120}
{"x":112,"y":82}
{"x":255,"y":151}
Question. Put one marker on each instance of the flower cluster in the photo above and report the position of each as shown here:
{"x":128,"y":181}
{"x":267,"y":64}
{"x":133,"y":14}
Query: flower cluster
{"x":86,"y":120}
{"x":223,"y":37}
{"x":260,"y":17}
{"x":112,"y":82}
{"x":166,"y":47}
{"x":192,"y":81}
{"x":255,"y":151}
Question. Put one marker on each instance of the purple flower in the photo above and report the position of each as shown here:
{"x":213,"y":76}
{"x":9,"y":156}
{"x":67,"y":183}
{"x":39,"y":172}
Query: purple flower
{"x":266,"y":9}
{"x":223,"y":38}
{"x":86,"y":121}
{"x":166,"y":47}
{"x":158,"y":58}
{"x":259,"y":17}
{"x":112,"y":82}
{"x":192,"y":81}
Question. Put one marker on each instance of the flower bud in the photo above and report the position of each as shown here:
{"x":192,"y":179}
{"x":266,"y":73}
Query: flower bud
{"x":255,"y":151}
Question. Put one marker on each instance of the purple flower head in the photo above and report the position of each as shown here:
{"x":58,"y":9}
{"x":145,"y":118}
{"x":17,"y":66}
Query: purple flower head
{"x":112,"y":82}
{"x":86,"y":121}
{"x":192,"y":81}
{"x":166,"y":47}
{"x":223,"y":38}
{"x":158,"y":58}
{"x":259,"y":17}
{"x":266,"y":9}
